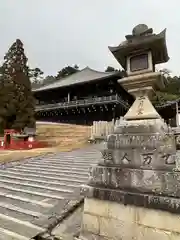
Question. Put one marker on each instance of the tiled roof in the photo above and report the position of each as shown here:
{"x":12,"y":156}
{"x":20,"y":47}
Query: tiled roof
{"x":85,"y":75}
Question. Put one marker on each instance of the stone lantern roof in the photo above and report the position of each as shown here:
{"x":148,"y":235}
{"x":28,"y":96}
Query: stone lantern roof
{"x":142,"y":39}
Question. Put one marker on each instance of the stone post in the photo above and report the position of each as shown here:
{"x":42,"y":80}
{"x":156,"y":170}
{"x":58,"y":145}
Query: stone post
{"x":133,"y":192}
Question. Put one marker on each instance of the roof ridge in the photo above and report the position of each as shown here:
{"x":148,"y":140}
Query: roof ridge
{"x":59,"y":80}
{"x":99,"y":71}
{"x":76,"y":75}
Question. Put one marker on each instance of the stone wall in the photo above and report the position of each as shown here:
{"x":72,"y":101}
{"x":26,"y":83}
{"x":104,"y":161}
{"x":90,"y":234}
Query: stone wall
{"x":111,"y":220}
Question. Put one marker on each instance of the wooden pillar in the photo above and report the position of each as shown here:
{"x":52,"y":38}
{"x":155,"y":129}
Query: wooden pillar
{"x":69,"y":97}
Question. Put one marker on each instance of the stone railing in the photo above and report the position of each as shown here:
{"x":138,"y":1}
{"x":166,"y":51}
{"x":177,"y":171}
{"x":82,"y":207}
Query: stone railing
{"x":101,"y":129}
{"x":83,"y":102}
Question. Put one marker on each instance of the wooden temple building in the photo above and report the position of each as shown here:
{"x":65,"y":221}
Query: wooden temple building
{"x":82,"y":98}
{"x":88,"y":96}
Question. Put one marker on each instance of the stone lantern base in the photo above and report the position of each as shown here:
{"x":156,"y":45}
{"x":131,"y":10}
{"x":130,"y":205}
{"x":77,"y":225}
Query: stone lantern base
{"x":133,"y":192}
{"x":108,"y":219}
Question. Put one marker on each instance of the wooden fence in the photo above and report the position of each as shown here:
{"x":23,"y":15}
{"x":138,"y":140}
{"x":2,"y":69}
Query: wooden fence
{"x":101,"y":129}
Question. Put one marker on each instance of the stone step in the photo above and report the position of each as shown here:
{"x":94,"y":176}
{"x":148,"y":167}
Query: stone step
{"x":52,"y":172}
{"x":50,"y":185}
{"x":26,"y":179}
{"x":25,"y":200}
{"x":69,"y":164}
{"x":69,"y":160}
{"x":31,"y":191}
{"x":43,"y":167}
{"x":43,"y":175}
{"x":50,"y":192}
{"x":60,"y":170}
{"x":38,"y":206}
{"x":62,"y":163}
{"x":58,"y":161}
{"x":37,"y":189}
{"x":47,"y":176}
{"x":59,"y":164}
{"x":21,"y":227}
{"x":17,"y":213}
{"x":9,"y":235}
{"x":29,"y":185}
{"x":23,"y":195}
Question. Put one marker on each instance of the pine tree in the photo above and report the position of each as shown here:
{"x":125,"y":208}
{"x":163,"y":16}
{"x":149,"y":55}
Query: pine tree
{"x":18,"y":104}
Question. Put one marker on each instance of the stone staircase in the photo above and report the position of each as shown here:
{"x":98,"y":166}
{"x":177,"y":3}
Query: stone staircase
{"x":63,"y":135}
{"x":36,"y":192}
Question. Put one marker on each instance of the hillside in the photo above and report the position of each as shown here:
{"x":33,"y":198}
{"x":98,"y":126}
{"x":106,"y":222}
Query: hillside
{"x":63,"y":136}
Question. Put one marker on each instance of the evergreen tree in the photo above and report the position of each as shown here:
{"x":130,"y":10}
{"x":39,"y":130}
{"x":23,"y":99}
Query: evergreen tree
{"x":17,"y":102}
{"x":111,"y":69}
{"x":36,"y":77}
{"x":67,"y":71}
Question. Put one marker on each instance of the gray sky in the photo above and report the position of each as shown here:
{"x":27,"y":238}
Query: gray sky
{"x":57,"y":33}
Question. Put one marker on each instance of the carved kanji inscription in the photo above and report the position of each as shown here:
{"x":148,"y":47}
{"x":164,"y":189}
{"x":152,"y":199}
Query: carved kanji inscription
{"x":107,"y":155}
{"x":147,"y":158}
{"x":141,"y":106}
{"x":169,"y":159}
{"x":125,"y":159}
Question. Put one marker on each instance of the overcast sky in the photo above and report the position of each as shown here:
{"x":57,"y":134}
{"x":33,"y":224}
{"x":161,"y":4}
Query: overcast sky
{"x":57,"y":33}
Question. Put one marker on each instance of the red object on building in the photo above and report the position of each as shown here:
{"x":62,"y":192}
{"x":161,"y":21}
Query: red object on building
{"x":14,"y":140}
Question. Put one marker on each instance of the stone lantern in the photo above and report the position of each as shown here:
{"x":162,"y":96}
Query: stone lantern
{"x":138,"y":55}
{"x":138,"y":169}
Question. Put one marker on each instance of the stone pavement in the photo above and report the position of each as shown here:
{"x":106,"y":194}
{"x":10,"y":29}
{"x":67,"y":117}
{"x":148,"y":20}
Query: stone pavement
{"x":35,"y":193}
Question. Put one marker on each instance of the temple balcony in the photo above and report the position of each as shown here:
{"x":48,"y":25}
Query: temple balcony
{"x":83,"y":103}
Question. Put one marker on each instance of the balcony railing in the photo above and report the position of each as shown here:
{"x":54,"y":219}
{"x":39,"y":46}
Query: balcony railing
{"x":83,"y":102}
